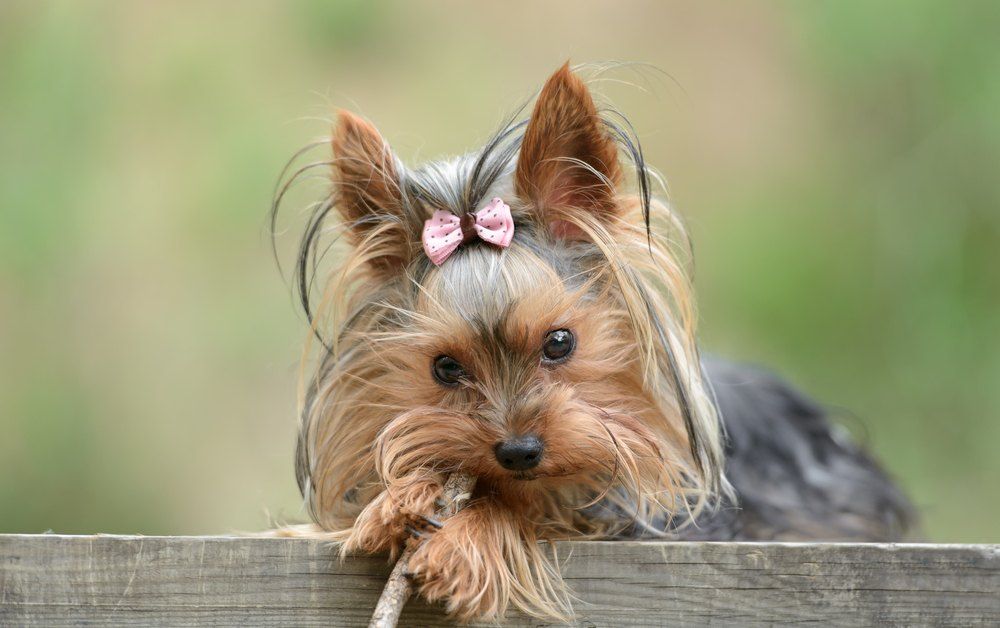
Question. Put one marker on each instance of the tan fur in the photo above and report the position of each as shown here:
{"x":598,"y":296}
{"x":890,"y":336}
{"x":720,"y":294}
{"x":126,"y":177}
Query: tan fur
{"x":382,"y":434}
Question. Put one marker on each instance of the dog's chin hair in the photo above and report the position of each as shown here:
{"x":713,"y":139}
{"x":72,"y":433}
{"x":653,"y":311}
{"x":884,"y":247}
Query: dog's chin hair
{"x":629,"y":421}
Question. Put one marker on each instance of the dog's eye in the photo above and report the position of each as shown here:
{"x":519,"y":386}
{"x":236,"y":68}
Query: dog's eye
{"x":558,"y":346}
{"x":447,"y":370}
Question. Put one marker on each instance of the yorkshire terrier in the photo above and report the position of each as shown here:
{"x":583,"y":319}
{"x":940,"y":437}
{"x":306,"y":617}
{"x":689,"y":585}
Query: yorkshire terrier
{"x":524,"y":314}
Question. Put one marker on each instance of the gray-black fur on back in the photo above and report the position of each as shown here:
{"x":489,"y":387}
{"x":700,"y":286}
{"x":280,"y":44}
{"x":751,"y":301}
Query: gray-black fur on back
{"x":797,"y":476}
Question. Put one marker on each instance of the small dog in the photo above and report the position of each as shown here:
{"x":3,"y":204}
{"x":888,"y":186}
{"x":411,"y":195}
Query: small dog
{"x":524,"y":314}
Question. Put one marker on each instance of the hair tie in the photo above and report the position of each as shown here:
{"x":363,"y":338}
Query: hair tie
{"x":444,"y":231}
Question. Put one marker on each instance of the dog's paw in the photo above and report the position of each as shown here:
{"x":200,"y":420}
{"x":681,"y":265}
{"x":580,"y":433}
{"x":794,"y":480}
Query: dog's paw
{"x":394,"y":516}
{"x":455,"y":567}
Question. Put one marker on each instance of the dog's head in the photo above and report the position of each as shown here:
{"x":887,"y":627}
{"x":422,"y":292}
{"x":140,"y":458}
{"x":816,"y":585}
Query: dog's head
{"x":559,"y":369}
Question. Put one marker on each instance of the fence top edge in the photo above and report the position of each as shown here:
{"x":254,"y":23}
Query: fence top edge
{"x":221,"y":538}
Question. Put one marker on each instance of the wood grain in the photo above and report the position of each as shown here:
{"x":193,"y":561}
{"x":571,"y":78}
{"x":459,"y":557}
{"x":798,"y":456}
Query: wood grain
{"x":53,"y":580}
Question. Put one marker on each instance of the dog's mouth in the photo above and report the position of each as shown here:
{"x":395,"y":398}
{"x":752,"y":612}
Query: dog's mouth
{"x":528,"y":476}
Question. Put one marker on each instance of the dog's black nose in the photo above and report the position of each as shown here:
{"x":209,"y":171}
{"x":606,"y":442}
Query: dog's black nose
{"x":519,"y":453}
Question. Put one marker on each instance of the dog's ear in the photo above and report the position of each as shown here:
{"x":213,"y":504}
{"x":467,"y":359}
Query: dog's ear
{"x":568,"y":161}
{"x":367,"y":192}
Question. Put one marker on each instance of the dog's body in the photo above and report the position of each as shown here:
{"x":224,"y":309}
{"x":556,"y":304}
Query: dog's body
{"x":546,"y":346}
{"x":796,"y":475}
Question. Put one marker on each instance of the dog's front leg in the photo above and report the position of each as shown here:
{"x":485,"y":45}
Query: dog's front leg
{"x":403,"y":509}
{"x":467,"y":563}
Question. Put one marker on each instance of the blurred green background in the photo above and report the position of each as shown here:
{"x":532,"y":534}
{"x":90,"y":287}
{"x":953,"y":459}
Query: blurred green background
{"x":837,"y":163}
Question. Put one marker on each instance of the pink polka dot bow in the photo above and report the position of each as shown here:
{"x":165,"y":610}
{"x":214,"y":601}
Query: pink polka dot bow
{"x":444,"y":231}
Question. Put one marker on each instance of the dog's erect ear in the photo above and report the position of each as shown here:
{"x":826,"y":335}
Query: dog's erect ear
{"x":568,"y":160}
{"x":367,"y":193}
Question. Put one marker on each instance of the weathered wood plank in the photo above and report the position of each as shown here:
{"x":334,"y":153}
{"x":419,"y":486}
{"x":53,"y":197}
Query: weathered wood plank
{"x":53,"y":580}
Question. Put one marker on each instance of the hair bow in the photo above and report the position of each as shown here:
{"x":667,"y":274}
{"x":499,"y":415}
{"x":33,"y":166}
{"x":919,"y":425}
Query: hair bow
{"x":444,"y":231}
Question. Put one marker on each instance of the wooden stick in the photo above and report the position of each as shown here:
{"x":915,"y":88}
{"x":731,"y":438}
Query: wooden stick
{"x":457,"y":490}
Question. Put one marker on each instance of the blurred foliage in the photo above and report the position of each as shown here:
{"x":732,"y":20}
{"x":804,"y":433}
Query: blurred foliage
{"x":836,"y":162}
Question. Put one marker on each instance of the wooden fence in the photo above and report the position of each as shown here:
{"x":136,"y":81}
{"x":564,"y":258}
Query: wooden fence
{"x":55,"y":580}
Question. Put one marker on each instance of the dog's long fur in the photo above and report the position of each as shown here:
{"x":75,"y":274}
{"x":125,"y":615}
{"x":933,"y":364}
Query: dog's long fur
{"x":634,"y":445}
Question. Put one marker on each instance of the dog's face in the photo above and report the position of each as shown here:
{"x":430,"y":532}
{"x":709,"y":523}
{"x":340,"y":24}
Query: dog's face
{"x":561,"y":365}
{"x":526,"y":377}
